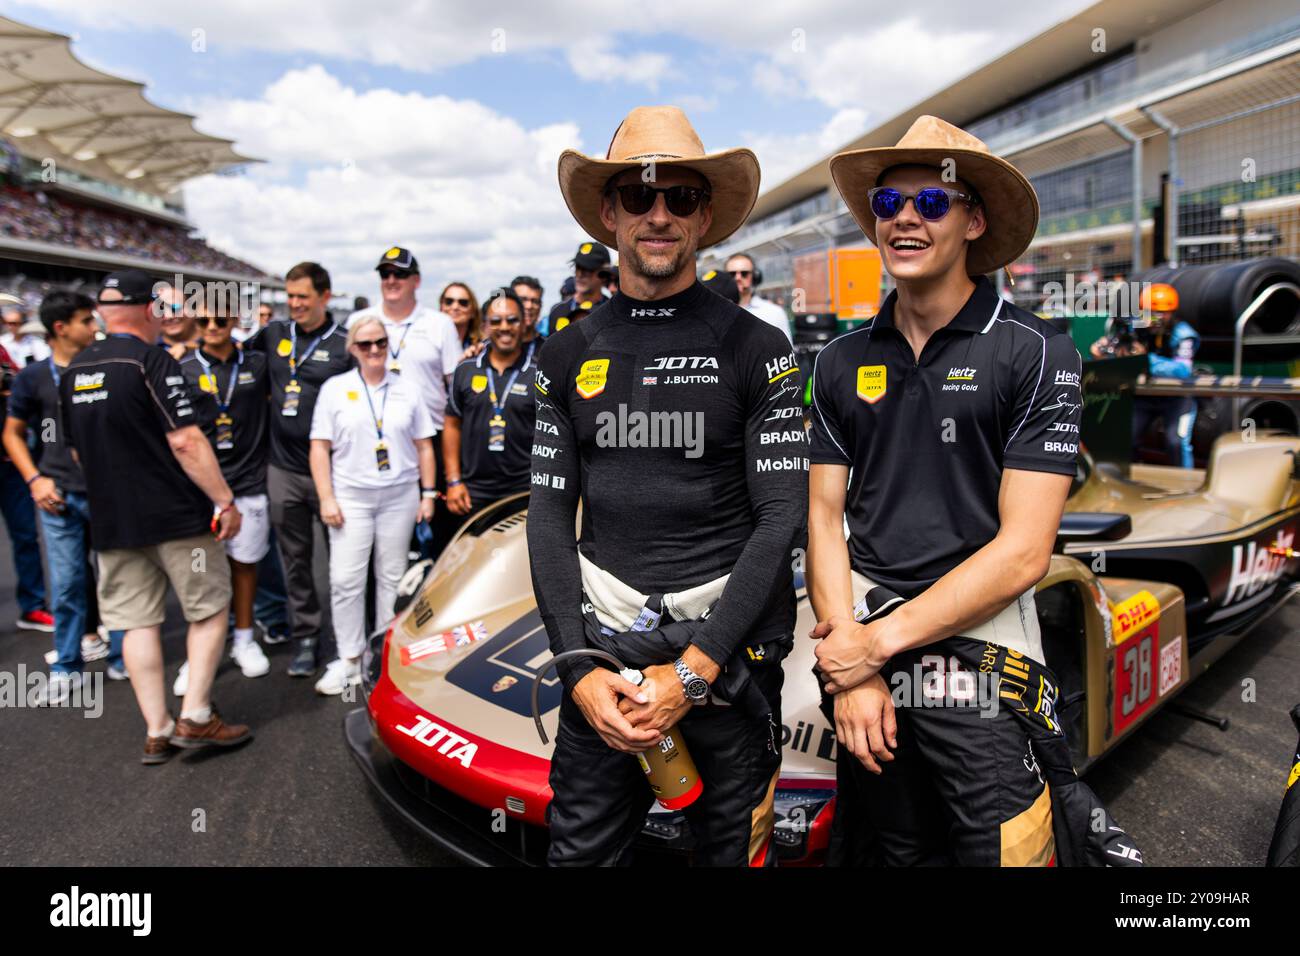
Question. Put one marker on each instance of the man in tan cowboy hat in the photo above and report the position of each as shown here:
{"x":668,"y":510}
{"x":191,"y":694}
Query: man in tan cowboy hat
{"x":946,"y":432}
{"x":672,"y":415}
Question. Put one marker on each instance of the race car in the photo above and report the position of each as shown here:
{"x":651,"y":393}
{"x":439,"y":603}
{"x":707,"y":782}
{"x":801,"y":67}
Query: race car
{"x":1157,"y":573}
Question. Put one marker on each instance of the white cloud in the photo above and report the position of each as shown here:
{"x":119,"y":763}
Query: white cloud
{"x":375,"y":168}
{"x":784,"y":154}
{"x":597,"y":61}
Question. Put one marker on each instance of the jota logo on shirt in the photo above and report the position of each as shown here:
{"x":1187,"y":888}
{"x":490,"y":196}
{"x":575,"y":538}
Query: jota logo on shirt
{"x":871,"y":383}
{"x":478,"y":384}
{"x":671,"y":362}
{"x":591,"y":377}
{"x":85,"y":381}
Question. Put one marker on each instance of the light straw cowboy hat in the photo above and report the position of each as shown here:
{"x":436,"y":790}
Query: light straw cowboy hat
{"x":1010,"y":203}
{"x":664,"y":136}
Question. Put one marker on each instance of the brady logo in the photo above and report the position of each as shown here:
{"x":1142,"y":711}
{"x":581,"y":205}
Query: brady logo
{"x":769,"y":438}
{"x":85,"y":381}
{"x":1253,"y":568}
{"x":1068,"y":448}
{"x":543,"y":451}
{"x":779,"y":368}
{"x":1067,"y":378}
{"x":670,"y":362}
{"x":437,"y":737}
{"x":547,"y":428}
{"x":961,"y":374}
{"x":651,"y":313}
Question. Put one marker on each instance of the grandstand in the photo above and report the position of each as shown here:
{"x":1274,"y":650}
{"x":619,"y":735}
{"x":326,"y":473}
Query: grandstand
{"x":91,"y":175}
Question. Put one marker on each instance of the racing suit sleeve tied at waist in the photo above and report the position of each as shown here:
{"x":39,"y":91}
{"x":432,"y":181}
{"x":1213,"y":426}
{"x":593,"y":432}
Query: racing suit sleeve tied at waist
{"x":1014,"y":627}
{"x":643,"y":630}
{"x":621,"y":607}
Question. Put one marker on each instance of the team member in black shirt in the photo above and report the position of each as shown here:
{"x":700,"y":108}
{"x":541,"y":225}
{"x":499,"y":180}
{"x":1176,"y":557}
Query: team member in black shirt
{"x":301,"y":354}
{"x":487,"y":439}
{"x":229,"y":389}
{"x":946,"y":431}
{"x":156,"y":498}
{"x":673,"y":416}
{"x":58,"y":488}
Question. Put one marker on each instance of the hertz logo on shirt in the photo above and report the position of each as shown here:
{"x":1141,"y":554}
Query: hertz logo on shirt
{"x":961,"y":374}
{"x":871,"y":383}
{"x":85,"y":381}
{"x":780,"y":368}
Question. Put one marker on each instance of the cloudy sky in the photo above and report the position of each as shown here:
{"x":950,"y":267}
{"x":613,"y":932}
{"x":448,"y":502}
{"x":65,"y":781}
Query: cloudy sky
{"x":436,"y":125}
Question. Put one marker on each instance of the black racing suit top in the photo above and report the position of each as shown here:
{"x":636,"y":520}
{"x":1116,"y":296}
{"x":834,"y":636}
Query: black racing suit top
{"x":678,"y":424}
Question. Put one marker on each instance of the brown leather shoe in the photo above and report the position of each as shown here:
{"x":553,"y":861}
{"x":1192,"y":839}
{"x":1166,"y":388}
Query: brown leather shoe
{"x":215,"y":733}
{"x":157,"y":750}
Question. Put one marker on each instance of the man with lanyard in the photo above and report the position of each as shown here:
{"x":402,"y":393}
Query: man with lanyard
{"x":672,"y":416}
{"x":490,"y":414}
{"x":946,"y":432}
{"x":230,"y":392}
{"x":591,"y":259}
{"x":159,"y":511}
{"x":58,"y":489}
{"x":301,"y":354}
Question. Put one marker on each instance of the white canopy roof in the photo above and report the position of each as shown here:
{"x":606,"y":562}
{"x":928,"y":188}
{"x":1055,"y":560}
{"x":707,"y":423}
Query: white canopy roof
{"x":53,"y":105}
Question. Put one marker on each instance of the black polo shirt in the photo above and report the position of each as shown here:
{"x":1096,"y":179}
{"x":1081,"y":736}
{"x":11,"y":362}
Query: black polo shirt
{"x":121,"y":397}
{"x":320,"y":355}
{"x":244,"y":464}
{"x":490,"y":475}
{"x":927,"y":439}
{"x":35,"y":400}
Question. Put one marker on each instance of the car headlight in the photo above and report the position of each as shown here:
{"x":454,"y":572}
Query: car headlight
{"x":797,"y":813}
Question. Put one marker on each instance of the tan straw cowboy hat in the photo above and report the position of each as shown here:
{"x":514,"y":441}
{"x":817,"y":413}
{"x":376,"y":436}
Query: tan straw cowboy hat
{"x":1010,"y":203}
{"x":664,"y":136}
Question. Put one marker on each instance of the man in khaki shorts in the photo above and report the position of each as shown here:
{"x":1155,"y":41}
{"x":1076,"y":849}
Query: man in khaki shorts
{"x":159,"y":511}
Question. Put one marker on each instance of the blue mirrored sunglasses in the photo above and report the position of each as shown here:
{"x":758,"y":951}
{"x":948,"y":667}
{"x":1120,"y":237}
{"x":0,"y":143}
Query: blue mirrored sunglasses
{"x":931,"y":203}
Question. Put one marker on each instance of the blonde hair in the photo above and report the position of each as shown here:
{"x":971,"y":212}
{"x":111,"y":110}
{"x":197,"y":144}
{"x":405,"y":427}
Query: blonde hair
{"x":360,"y":324}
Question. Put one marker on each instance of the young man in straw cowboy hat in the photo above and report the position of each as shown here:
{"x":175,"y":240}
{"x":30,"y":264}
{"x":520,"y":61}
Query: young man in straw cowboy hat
{"x":673,"y":416}
{"x":946,"y":432}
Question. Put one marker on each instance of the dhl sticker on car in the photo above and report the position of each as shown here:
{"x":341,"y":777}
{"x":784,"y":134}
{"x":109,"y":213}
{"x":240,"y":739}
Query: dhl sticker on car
{"x":1133,"y":614}
{"x":457,"y":637}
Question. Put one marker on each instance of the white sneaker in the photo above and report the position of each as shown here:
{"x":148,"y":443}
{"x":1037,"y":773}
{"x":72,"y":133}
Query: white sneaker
{"x":93,"y":648}
{"x":117,"y":673}
{"x":251,"y":659}
{"x":182,"y":683}
{"x":338,"y":675}
{"x":58,"y":688}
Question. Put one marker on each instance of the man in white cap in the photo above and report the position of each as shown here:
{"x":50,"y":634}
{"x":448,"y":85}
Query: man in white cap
{"x":945,"y":433}
{"x":683,"y":561}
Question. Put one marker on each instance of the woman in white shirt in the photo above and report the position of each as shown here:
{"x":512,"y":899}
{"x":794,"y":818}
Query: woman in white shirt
{"x":371,"y":439}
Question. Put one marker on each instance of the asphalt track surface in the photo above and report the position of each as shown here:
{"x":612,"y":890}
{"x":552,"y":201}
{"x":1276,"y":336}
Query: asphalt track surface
{"x":75,"y":794}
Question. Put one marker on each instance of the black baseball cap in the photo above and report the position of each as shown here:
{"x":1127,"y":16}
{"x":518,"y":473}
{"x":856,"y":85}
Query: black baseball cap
{"x":722,"y":283}
{"x":399,"y":258}
{"x":568,"y":287}
{"x":610,"y":274}
{"x":591,"y":255}
{"x":136,"y":286}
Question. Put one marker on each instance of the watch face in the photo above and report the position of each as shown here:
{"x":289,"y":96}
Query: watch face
{"x":697,"y":689}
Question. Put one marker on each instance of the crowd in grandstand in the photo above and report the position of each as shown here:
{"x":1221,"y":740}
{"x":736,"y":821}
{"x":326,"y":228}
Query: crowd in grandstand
{"x":41,"y":217}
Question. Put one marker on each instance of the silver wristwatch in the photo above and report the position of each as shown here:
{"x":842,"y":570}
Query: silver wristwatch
{"x":697,"y":688}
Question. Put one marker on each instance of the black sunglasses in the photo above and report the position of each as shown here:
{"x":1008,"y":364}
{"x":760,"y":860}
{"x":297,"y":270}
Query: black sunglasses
{"x":395,"y":273}
{"x":639,"y":198}
{"x":367,"y":345}
{"x":736,"y":273}
{"x":448,"y":300}
{"x":931,"y":203}
{"x":496,"y":320}
{"x":213,"y":320}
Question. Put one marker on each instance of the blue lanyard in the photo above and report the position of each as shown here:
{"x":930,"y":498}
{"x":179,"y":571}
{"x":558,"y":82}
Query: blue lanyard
{"x":54,"y":371}
{"x":222,"y":406}
{"x":394,"y":353}
{"x":379,"y":419}
{"x":293,"y":347}
{"x":492,"y":383}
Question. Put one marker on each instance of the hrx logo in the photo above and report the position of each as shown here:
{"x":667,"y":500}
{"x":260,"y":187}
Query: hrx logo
{"x":651,"y":313}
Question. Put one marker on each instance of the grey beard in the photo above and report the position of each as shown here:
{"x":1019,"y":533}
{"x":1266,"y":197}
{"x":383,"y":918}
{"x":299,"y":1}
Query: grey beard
{"x":657,"y":271}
